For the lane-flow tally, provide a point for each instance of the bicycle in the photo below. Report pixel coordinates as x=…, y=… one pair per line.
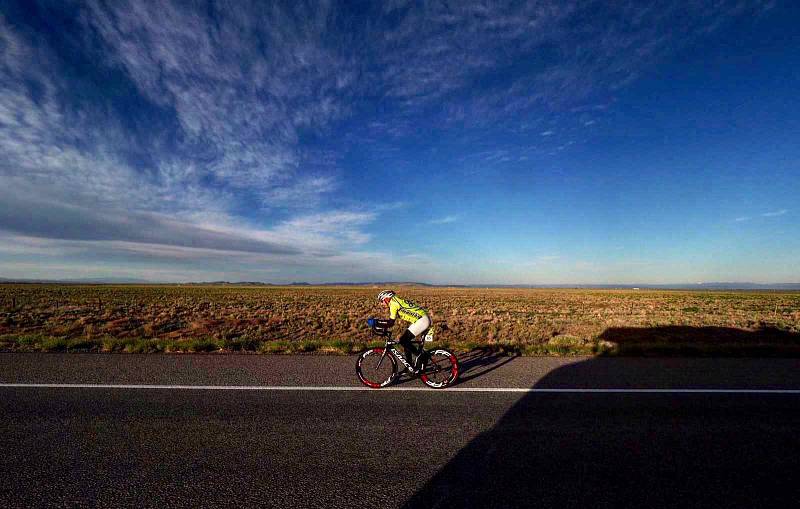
x=377, y=367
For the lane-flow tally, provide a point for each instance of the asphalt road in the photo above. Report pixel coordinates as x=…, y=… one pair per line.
x=71, y=447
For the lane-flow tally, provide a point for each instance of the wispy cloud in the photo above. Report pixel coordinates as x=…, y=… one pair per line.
x=445, y=220
x=67, y=177
x=48, y=258
x=435, y=54
x=774, y=213
x=242, y=103
x=199, y=137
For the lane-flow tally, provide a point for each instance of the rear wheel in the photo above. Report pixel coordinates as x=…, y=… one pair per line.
x=441, y=368
x=375, y=369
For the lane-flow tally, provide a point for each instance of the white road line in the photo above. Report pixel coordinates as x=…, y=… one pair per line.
x=393, y=389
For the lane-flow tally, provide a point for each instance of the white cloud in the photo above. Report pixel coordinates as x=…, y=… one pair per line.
x=445, y=220
x=775, y=213
x=436, y=53
x=54, y=258
x=302, y=192
x=240, y=90
x=65, y=180
x=240, y=81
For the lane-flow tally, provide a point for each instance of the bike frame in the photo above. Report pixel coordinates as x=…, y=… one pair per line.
x=389, y=348
x=422, y=364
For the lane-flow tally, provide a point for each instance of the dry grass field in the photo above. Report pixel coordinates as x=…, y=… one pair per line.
x=332, y=319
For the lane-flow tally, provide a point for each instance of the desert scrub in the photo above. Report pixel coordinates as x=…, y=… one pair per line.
x=174, y=318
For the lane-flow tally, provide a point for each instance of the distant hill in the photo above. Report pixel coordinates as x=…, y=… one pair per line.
x=81, y=281
x=384, y=283
x=225, y=283
x=305, y=283
x=399, y=284
x=751, y=286
x=645, y=286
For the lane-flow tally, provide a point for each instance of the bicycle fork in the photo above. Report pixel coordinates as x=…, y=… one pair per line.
x=383, y=356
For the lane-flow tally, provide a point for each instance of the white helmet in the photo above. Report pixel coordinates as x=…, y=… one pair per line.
x=386, y=294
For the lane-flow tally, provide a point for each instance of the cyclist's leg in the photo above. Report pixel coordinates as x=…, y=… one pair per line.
x=420, y=326
x=414, y=330
x=406, y=340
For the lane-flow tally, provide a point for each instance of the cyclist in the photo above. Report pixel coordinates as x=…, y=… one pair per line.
x=409, y=312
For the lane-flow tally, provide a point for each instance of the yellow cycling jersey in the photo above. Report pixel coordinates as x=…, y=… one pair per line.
x=405, y=309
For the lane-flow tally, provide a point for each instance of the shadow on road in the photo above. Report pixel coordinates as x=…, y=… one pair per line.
x=480, y=361
x=713, y=341
x=472, y=364
x=632, y=450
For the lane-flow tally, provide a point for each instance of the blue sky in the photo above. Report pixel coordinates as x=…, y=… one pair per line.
x=448, y=142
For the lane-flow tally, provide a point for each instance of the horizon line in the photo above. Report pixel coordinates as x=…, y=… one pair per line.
x=136, y=281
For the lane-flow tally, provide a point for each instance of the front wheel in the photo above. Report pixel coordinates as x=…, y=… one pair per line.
x=441, y=368
x=376, y=368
